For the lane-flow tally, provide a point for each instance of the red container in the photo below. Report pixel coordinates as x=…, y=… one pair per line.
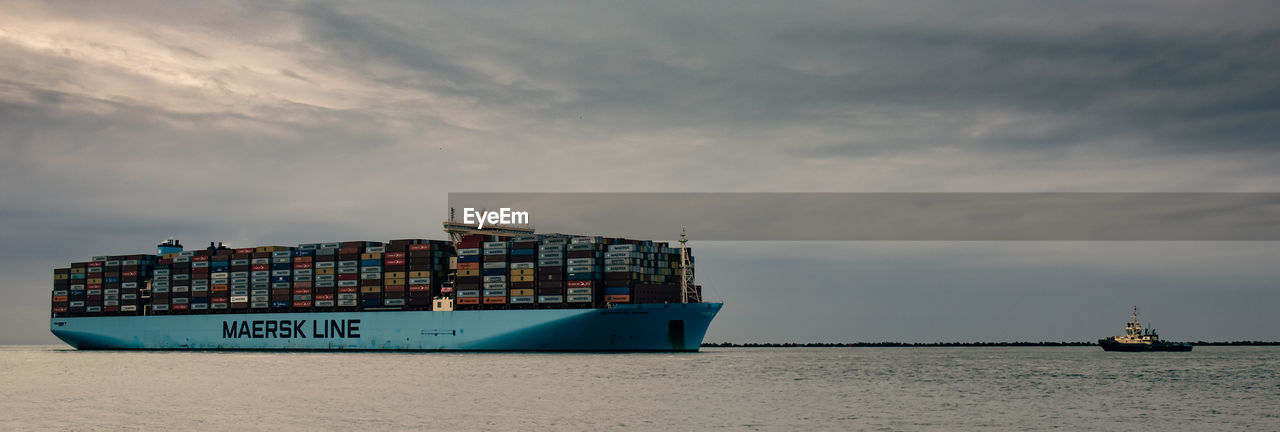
x=94, y=264
x=93, y=286
x=301, y=265
x=244, y=250
x=394, y=255
x=348, y=289
x=325, y=296
x=111, y=308
x=129, y=273
x=348, y=276
x=302, y=290
x=302, y=304
x=305, y=259
x=200, y=271
x=165, y=261
x=578, y=284
x=420, y=247
x=180, y=307
x=218, y=299
x=394, y=262
x=419, y=287
x=260, y=267
x=199, y=258
x=349, y=250
x=59, y=309
x=302, y=285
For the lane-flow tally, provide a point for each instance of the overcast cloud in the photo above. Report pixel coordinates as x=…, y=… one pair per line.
x=122, y=123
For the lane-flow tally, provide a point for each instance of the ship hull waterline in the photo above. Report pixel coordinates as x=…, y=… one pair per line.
x=622, y=328
x=1110, y=345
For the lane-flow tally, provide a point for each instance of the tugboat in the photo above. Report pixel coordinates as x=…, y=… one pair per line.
x=1137, y=339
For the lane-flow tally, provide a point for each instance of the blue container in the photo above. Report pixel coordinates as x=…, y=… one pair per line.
x=214, y=268
x=219, y=263
x=468, y=258
x=370, y=262
x=371, y=302
x=617, y=290
x=516, y=252
x=282, y=266
x=495, y=272
x=280, y=304
x=304, y=252
x=111, y=280
x=199, y=299
x=579, y=276
x=280, y=279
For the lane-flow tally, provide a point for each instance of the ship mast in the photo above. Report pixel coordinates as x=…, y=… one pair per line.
x=687, y=291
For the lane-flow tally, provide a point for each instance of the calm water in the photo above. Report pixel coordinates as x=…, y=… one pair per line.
x=1212, y=388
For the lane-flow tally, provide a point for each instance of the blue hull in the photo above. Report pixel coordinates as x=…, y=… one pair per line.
x=638, y=327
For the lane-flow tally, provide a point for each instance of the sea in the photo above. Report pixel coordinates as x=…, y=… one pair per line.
x=767, y=389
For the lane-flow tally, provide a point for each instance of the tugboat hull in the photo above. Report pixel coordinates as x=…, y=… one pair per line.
x=1113, y=345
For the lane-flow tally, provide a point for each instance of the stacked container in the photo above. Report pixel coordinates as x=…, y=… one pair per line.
x=348, y=274
x=420, y=264
x=303, y=277
x=61, y=292
x=582, y=271
x=494, y=268
x=521, y=272
x=324, y=270
x=545, y=271
x=550, y=271
x=469, y=277
x=371, y=275
x=240, y=271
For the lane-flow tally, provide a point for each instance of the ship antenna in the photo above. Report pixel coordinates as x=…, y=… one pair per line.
x=686, y=272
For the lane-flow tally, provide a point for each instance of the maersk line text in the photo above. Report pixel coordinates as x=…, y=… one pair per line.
x=290, y=329
x=503, y=216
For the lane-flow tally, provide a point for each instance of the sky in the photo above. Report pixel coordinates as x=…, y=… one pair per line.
x=125, y=123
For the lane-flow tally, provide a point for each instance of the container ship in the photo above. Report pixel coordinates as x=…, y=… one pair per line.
x=500, y=288
x=1137, y=339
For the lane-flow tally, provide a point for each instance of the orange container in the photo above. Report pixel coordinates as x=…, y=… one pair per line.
x=468, y=266
x=495, y=300
x=468, y=300
x=618, y=298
